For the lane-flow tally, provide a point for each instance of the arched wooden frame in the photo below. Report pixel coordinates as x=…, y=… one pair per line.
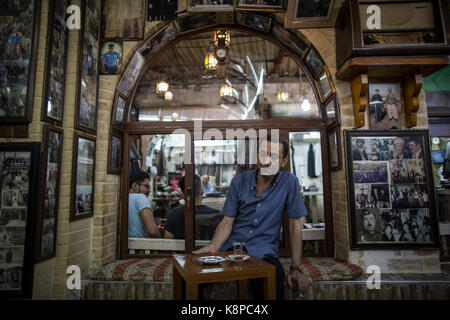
x=295, y=47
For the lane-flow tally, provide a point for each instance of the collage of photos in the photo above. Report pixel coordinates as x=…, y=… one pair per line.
x=55, y=99
x=84, y=193
x=16, y=34
x=391, y=198
x=51, y=193
x=14, y=185
x=89, y=65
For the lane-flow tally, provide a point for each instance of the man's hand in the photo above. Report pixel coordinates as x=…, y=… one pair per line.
x=297, y=277
x=208, y=249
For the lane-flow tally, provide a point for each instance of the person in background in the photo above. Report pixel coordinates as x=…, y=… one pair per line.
x=207, y=187
x=176, y=219
x=141, y=223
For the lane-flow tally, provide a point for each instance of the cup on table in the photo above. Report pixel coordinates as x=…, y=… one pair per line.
x=237, y=249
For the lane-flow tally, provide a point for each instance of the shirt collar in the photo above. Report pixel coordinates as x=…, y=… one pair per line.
x=274, y=182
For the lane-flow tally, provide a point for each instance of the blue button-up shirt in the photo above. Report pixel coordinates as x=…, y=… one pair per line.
x=257, y=221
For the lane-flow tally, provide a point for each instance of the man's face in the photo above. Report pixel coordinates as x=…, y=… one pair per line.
x=398, y=148
x=369, y=222
x=205, y=179
x=111, y=49
x=360, y=144
x=413, y=147
x=144, y=187
x=270, y=158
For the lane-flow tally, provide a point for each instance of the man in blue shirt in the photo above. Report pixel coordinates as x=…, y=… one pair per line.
x=253, y=213
x=140, y=217
x=207, y=187
x=110, y=60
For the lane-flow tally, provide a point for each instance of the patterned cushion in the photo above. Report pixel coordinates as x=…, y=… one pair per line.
x=135, y=270
x=325, y=269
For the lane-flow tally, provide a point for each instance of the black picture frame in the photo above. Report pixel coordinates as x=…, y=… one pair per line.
x=17, y=94
x=119, y=109
x=88, y=68
x=21, y=160
x=252, y=6
x=194, y=22
x=82, y=193
x=334, y=148
x=56, y=62
x=407, y=219
x=49, y=193
x=120, y=23
x=255, y=21
x=115, y=153
x=314, y=61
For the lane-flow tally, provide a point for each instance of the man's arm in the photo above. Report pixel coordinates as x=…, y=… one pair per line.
x=149, y=223
x=295, y=232
x=221, y=234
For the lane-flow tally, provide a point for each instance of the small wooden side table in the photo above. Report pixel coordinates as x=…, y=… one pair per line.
x=187, y=268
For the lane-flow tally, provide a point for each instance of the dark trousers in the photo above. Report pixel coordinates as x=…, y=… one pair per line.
x=257, y=285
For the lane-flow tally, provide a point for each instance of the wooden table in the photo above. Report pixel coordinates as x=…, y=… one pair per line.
x=187, y=268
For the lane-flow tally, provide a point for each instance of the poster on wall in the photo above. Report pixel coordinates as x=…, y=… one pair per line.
x=83, y=176
x=18, y=173
x=391, y=196
x=86, y=117
x=18, y=48
x=123, y=20
x=47, y=220
x=111, y=55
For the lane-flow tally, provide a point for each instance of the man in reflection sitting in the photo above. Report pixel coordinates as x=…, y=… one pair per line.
x=206, y=218
x=253, y=215
x=140, y=216
x=207, y=187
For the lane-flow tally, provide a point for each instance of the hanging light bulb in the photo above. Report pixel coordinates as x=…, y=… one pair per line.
x=282, y=94
x=175, y=116
x=306, y=106
x=162, y=87
x=168, y=95
x=226, y=90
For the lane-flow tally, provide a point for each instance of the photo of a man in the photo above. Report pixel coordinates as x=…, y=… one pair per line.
x=368, y=226
x=385, y=106
x=111, y=58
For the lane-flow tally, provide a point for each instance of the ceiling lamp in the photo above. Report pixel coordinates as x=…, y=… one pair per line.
x=226, y=90
x=222, y=38
x=306, y=106
x=282, y=94
x=168, y=95
x=210, y=59
x=162, y=87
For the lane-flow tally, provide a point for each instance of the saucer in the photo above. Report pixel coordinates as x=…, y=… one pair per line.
x=237, y=258
x=211, y=259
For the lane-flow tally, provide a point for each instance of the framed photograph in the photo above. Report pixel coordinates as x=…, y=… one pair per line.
x=314, y=62
x=334, y=148
x=123, y=20
x=120, y=103
x=324, y=84
x=87, y=97
x=48, y=215
x=210, y=5
x=126, y=83
x=157, y=42
x=111, y=54
x=254, y=21
x=19, y=21
x=195, y=22
x=158, y=10
x=385, y=107
x=115, y=153
x=83, y=177
x=311, y=14
x=19, y=175
x=258, y=5
x=331, y=110
x=55, y=67
x=391, y=199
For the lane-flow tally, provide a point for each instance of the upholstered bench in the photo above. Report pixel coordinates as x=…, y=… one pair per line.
x=152, y=279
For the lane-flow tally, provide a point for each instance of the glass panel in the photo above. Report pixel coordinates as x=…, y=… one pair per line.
x=440, y=154
x=258, y=81
x=306, y=164
x=160, y=156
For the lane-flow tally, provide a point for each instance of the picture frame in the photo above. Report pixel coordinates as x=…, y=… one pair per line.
x=18, y=59
x=210, y=5
x=385, y=104
x=56, y=62
x=252, y=5
x=157, y=42
x=115, y=153
x=310, y=14
x=111, y=55
x=162, y=10
x=88, y=68
x=334, y=148
x=254, y=21
x=49, y=194
x=83, y=177
x=331, y=110
x=314, y=62
x=119, y=111
x=390, y=190
x=123, y=20
x=132, y=72
x=20, y=167
x=324, y=84
x=194, y=22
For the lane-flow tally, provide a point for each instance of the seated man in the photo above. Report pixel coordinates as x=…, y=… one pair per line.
x=253, y=214
x=140, y=216
x=205, y=217
x=207, y=187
